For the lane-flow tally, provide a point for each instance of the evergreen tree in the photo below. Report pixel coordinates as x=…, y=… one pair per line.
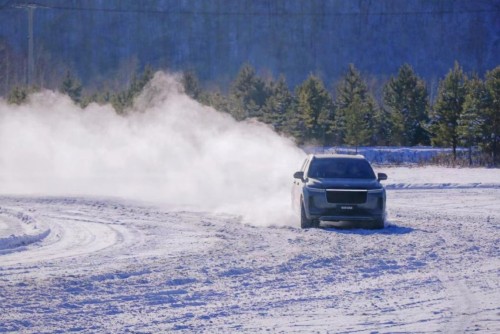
x=223, y=103
x=356, y=130
x=378, y=124
x=139, y=82
x=72, y=87
x=383, y=128
x=124, y=100
x=492, y=113
x=315, y=109
x=353, y=97
x=191, y=85
x=101, y=98
x=278, y=105
x=18, y=95
x=472, y=121
x=448, y=108
x=121, y=101
x=250, y=91
x=407, y=101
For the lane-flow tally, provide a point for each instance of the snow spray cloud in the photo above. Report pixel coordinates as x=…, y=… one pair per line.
x=171, y=150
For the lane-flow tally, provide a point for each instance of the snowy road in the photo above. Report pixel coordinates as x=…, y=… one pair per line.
x=92, y=265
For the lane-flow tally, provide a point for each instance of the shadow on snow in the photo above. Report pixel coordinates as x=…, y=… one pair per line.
x=390, y=229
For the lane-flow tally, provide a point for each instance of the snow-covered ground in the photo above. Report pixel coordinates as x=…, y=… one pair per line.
x=97, y=265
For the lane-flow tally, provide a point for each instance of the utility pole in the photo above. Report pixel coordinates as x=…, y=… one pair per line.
x=31, y=58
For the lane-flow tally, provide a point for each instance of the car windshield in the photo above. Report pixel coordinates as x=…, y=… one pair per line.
x=343, y=168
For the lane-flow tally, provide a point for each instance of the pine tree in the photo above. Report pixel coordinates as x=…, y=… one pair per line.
x=315, y=109
x=278, y=105
x=18, y=95
x=448, y=108
x=124, y=100
x=472, y=119
x=492, y=113
x=377, y=123
x=383, y=129
x=222, y=103
x=250, y=91
x=407, y=101
x=139, y=82
x=353, y=97
x=356, y=130
x=72, y=87
x=121, y=101
x=191, y=85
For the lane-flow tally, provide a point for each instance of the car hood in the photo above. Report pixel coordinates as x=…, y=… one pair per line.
x=344, y=183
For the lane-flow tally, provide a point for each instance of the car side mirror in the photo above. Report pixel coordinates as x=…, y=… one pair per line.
x=298, y=175
x=381, y=176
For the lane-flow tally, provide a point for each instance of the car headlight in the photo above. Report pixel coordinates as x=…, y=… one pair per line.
x=315, y=190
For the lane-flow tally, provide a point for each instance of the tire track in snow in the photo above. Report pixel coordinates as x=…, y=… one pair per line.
x=463, y=303
x=69, y=235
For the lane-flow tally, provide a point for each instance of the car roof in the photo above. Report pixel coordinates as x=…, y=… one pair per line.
x=336, y=156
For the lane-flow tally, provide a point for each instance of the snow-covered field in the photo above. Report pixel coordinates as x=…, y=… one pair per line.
x=97, y=265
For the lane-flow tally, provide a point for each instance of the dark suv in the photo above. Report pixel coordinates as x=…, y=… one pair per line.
x=339, y=189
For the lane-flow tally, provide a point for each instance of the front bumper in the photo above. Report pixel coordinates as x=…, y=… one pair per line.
x=318, y=207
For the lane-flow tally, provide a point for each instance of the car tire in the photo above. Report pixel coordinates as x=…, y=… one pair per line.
x=304, y=221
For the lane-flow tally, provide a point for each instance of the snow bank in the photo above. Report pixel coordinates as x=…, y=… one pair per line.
x=389, y=155
x=18, y=229
x=432, y=177
x=15, y=241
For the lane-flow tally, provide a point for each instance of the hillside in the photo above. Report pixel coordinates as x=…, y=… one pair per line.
x=98, y=38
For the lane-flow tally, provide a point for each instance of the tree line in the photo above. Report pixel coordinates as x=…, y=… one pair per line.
x=465, y=112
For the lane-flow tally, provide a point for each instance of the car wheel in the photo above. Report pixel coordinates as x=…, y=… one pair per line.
x=304, y=221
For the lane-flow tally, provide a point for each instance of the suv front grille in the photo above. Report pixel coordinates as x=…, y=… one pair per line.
x=348, y=196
